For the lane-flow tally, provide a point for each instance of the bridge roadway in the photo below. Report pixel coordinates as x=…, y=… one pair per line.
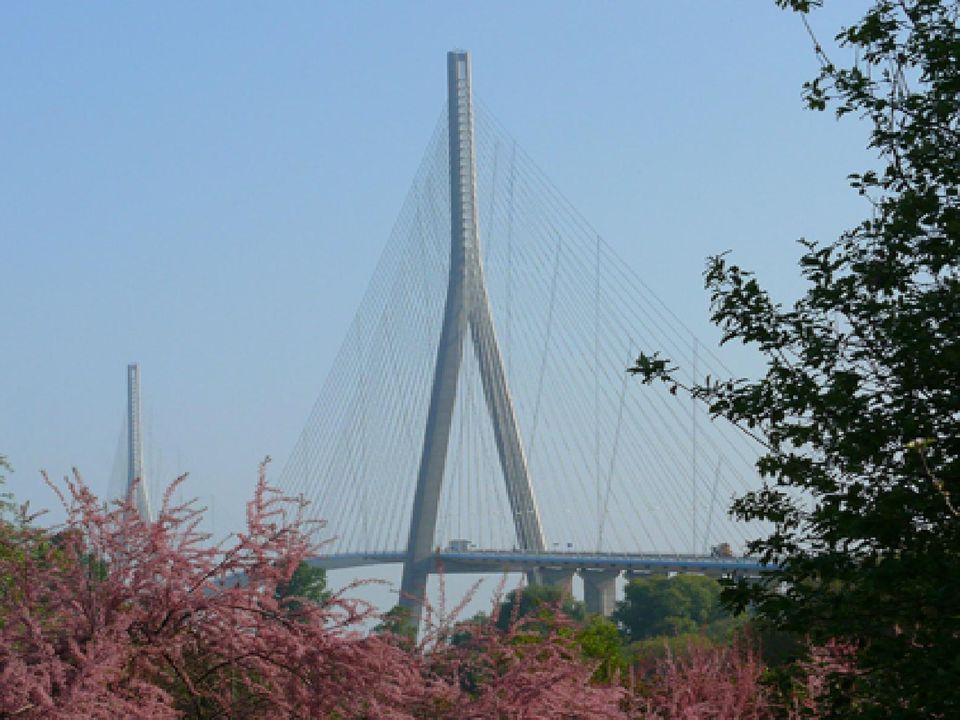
x=598, y=570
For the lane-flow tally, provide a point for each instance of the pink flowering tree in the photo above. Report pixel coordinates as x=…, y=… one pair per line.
x=719, y=683
x=115, y=617
x=535, y=668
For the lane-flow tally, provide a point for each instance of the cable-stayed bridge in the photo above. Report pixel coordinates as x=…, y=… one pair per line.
x=479, y=414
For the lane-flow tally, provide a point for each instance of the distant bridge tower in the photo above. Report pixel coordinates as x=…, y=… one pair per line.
x=467, y=306
x=141, y=498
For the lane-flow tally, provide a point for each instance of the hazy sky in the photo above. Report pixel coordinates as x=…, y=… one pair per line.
x=205, y=189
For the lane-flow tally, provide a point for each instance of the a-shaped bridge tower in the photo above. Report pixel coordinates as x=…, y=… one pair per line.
x=433, y=429
x=467, y=307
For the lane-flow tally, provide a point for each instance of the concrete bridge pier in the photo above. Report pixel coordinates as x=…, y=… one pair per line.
x=600, y=591
x=561, y=577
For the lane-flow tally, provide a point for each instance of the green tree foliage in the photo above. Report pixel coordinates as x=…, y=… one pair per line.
x=398, y=623
x=859, y=409
x=306, y=583
x=645, y=654
x=661, y=605
x=463, y=630
x=6, y=499
x=9, y=522
x=599, y=640
x=536, y=599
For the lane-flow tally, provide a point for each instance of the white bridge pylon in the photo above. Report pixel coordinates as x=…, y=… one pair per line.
x=467, y=307
x=136, y=482
x=128, y=479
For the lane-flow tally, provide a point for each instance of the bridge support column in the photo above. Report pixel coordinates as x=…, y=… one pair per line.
x=561, y=577
x=600, y=591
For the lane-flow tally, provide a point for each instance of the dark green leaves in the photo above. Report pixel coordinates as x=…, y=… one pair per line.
x=859, y=408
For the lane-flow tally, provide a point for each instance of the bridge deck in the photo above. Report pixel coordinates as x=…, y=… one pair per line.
x=486, y=561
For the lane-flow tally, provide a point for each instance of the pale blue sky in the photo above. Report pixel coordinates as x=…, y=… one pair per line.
x=205, y=189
